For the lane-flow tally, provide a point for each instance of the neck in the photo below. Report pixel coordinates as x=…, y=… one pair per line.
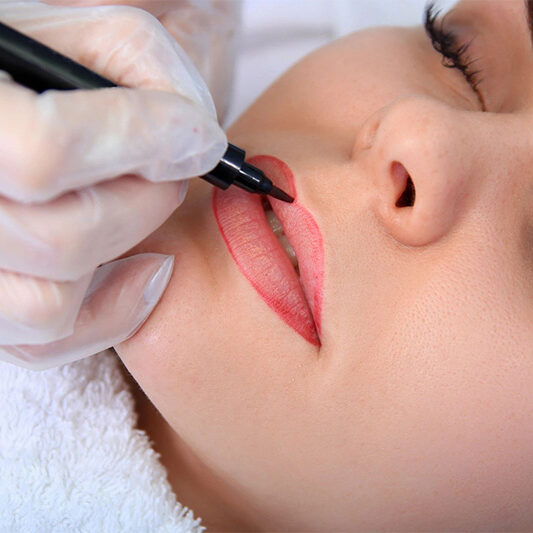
x=196, y=486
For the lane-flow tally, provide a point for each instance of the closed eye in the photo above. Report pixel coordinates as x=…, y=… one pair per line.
x=454, y=55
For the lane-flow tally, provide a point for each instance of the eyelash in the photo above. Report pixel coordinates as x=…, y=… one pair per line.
x=445, y=42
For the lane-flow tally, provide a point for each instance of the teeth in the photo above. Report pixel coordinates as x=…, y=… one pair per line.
x=289, y=250
x=274, y=223
x=277, y=228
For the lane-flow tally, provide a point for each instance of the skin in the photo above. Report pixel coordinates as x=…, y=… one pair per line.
x=416, y=412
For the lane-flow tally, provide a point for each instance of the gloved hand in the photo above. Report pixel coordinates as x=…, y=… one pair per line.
x=71, y=195
x=205, y=29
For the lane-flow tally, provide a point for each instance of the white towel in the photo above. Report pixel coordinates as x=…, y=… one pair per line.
x=71, y=459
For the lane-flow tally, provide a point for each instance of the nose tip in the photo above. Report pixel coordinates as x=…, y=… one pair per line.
x=409, y=151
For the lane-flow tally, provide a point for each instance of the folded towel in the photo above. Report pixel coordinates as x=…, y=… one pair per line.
x=71, y=458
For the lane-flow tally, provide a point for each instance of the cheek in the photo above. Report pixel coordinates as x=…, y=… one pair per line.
x=437, y=418
x=426, y=372
x=456, y=389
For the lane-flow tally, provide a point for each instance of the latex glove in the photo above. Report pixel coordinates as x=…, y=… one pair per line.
x=205, y=29
x=71, y=198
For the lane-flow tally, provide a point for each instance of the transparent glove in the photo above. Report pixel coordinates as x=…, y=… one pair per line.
x=85, y=175
x=205, y=29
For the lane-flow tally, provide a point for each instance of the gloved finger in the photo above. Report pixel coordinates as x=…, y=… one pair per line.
x=64, y=140
x=67, y=237
x=207, y=32
x=35, y=310
x=125, y=44
x=155, y=7
x=5, y=77
x=121, y=296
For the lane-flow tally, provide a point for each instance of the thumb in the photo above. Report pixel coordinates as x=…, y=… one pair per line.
x=121, y=296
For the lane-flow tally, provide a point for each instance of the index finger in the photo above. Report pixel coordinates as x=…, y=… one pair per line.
x=64, y=140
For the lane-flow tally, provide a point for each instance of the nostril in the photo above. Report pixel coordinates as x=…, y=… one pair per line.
x=407, y=198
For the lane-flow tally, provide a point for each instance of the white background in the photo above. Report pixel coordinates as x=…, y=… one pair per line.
x=277, y=33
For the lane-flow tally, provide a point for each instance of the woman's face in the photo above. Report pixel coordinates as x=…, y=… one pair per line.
x=414, y=409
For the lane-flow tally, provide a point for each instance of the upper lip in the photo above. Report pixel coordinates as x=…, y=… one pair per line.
x=301, y=230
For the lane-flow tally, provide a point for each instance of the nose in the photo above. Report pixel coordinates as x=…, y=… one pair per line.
x=426, y=163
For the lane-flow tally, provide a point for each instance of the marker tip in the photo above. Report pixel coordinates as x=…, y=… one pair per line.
x=280, y=195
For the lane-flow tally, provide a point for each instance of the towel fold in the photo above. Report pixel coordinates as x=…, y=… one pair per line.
x=71, y=458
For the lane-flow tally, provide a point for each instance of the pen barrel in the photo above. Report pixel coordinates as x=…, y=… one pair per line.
x=225, y=173
x=34, y=65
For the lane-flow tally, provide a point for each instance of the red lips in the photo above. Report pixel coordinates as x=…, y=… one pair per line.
x=261, y=258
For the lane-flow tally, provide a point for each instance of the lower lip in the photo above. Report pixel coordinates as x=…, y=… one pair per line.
x=259, y=255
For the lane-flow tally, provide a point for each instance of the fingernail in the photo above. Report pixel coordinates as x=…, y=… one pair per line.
x=157, y=285
x=184, y=187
